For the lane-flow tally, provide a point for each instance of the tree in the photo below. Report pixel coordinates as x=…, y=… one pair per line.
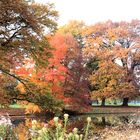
x=23, y=27
x=41, y=89
x=110, y=81
x=76, y=83
x=108, y=44
x=48, y=81
x=63, y=80
x=69, y=65
x=22, y=35
x=73, y=27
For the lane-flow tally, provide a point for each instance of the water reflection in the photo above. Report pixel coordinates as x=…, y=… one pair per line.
x=97, y=119
x=101, y=124
x=113, y=119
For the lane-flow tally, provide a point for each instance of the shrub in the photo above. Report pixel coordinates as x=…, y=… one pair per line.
x=6, y=129
x=58, y=132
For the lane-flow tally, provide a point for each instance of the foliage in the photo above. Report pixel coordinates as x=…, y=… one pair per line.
x=76, y=83
x=107, y=48
x=6, y=129
x=22, y=27
x=72, y=27
x=7, y=90
x=22, y=36
x=42, y=132
x=59, y=132
x=44, y=87
x=109, y=81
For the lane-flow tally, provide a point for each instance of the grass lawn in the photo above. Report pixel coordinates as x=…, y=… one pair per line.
x=17, y=106
x=118, y=103
x=130, y=104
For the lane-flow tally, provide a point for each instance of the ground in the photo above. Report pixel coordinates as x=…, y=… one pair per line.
x=96, y=110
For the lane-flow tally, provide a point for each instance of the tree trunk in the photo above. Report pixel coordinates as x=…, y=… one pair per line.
x=103, y=121
x=97, y=102
x=103, y=102
x=115, y=102
x=125, y=101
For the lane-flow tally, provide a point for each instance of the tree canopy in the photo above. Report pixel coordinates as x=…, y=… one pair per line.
x=108, y=45
x=49, y=67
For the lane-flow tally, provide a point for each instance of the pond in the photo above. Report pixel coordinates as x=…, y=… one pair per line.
x=103, y=126
x=98, y=119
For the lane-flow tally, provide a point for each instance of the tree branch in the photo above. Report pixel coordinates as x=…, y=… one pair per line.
x=15, y=77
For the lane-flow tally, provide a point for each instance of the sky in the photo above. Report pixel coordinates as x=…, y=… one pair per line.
x=93, y=11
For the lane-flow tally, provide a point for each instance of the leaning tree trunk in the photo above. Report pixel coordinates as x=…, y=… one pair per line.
x=125, y=101
x=103, y=102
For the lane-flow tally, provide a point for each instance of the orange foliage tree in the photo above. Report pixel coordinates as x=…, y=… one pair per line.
x=69, y=77
x=22, y=36
x=107, y=47
x=53, y=77
x=76, y=84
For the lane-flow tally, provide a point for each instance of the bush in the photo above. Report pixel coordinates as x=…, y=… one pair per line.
x=6, y=129
x=58, y=132
x=54, y=131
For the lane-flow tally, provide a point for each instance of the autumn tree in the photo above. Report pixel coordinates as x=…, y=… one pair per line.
x=111, y=81
x=76, y=83
x=74, y=28
x=107, y=44
x=22, y=29
x=63, y=81
x=23, y=25
x=49, y=81
x=41, y=91
x=69, y=73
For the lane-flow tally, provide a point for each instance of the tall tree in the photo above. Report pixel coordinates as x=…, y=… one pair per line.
x=69, y=65
x=23, y=25
x=112, y=41
x=22, y=28
x=76, y=84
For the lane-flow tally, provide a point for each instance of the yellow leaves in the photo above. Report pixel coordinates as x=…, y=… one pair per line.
x=98, y=41
x=32, y=108
x=111, y=34
x=106, y=79
x=112, y=82
x=73, y=27
x=21, y=88
x=21, y=132
x=111, y=43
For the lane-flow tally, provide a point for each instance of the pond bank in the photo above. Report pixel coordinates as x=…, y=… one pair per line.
x=21, y=113
x=117, y=109
x=94, y=110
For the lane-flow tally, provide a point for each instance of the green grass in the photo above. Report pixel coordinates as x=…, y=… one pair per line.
x=118, y=103
x=132, y=104
x=17, y=106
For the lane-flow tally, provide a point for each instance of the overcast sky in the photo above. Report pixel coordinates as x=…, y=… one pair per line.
x=92, y=11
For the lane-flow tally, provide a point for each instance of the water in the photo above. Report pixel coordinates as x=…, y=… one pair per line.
x=103, y=126
x=97, y=119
